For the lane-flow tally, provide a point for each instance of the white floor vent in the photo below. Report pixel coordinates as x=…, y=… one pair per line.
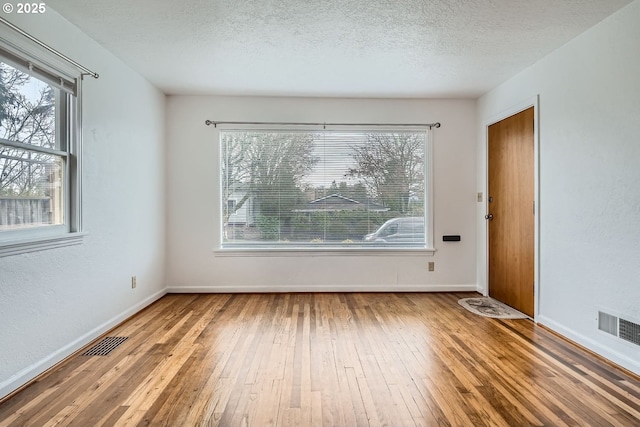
x=621, y=328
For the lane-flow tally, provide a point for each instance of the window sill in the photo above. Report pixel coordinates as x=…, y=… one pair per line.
x=313, y=252
x=35, y=244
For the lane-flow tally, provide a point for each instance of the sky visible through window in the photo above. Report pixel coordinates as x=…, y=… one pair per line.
x=334, y=153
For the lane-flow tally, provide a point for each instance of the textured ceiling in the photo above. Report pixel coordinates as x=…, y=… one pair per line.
x=347, y=48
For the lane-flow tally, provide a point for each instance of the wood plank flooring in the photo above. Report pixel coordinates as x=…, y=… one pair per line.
x=361, y=359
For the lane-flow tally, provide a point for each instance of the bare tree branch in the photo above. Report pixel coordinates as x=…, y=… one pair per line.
x=391, y=165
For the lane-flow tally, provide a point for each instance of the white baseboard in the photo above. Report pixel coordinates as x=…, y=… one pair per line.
x=30, y=372
x=318, y=288
x=618, y=358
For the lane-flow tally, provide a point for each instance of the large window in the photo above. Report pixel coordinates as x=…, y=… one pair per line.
x=324, y=189
x=38, y=153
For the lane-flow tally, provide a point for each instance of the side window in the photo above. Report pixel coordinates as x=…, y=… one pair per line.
x=39, y=154
x=33, y=155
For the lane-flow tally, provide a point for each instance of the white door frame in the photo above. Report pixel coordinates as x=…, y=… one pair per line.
x=515, y=109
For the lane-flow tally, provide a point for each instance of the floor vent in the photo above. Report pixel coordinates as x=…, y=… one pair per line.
x=608, y=323
x=630, y=331
x=104, y=347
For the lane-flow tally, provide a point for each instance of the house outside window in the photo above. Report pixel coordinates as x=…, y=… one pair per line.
x=337, y=189
x=39, y=154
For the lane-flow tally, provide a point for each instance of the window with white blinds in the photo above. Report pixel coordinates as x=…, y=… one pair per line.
x=324, y=189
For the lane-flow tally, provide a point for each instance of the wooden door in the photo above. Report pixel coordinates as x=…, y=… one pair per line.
x=511, y=211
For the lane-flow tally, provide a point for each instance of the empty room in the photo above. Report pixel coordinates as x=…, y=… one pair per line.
x=320, y=213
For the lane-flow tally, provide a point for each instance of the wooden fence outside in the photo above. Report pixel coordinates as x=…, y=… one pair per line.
x=15, y=212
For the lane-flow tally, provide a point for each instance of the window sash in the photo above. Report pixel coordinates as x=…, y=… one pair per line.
x=46, y=208
x=421, y=240
x=34, y=148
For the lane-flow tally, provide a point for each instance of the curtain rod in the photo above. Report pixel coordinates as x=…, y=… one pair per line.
x=324, y=125
x=85, y=70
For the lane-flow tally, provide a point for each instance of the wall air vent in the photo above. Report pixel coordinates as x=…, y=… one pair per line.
x=105, y=346
x=619, y=327
x=608, y=323
x=630, y=331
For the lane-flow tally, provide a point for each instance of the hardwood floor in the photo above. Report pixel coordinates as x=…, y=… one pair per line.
x=371, y=359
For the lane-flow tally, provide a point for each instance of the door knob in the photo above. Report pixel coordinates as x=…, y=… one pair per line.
x=488, y=216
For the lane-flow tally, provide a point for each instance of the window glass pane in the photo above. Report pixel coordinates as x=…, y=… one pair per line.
x=28, y=108
x=324, y=188
x=31, y=189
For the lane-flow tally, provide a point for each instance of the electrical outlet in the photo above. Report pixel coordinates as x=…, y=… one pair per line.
x=432, y=266
x=133, y=282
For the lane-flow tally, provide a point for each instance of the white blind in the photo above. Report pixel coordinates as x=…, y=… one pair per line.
x=323, y=188
x=39, y=70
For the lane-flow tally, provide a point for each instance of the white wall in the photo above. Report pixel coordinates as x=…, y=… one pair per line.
x=53, y=302
x=193, y=208
x=589, y=180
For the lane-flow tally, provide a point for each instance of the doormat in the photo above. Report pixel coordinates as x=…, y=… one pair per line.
x=488, y=307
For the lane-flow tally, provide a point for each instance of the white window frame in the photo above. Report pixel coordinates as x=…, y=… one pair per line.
x=264, y=251
x=25, y=55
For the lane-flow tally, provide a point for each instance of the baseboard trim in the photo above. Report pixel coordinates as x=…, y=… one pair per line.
x=591, y=345
x=317, y=288
x=32, y=372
